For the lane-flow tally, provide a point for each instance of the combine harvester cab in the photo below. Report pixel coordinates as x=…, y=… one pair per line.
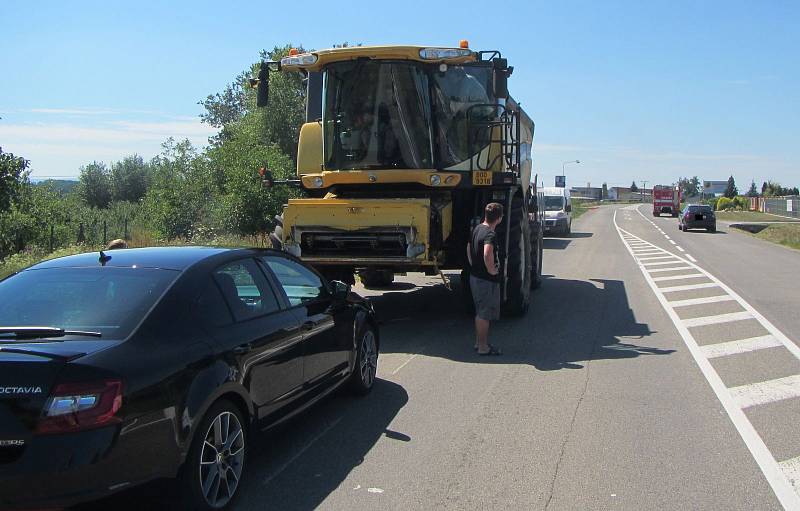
x=402, y=148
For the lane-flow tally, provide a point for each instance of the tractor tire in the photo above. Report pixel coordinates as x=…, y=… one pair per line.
x=537, y=251
x=518, y=271
x=376, y=279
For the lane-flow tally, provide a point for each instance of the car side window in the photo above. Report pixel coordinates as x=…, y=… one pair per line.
x=211, y=308
x=300, y=284
x=245, y=289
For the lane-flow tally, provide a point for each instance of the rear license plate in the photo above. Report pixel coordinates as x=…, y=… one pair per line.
x=481, y=178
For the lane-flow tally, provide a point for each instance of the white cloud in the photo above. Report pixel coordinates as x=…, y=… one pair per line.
x=61, y=148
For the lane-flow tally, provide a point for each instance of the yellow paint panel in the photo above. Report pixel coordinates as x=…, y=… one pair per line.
x=309, y=148
x=423, y=177
x=325, y=57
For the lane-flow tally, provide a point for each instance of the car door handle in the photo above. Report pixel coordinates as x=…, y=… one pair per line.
x=243, y=348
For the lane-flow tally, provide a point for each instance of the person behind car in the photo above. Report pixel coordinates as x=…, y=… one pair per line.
x=484, y=277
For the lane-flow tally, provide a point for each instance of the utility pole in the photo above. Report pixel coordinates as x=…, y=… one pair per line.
x=643, y=191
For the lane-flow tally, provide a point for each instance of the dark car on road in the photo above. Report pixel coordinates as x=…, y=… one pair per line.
x=123, y=367
x=697, y=216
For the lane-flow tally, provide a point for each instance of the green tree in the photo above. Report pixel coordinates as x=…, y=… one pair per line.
x=13, y=177
x=604, y=192
x=753, y=191
x=731, y=191
x=95, y=185
x=281, y=119
x=690, y=187
x=129, y=179
x=634, y=188
x=180, y=192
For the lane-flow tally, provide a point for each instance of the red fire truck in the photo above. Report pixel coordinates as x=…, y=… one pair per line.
x=666, y=199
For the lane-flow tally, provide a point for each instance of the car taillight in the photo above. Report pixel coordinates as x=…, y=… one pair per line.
x=80, y=406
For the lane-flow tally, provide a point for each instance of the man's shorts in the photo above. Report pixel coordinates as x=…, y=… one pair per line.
x=486, y=296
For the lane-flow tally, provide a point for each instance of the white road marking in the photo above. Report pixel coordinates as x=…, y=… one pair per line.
x=412, y=357
x=773, y=473
x=674, y=268
x=655, y=257
x=680, y=277
x=717, y=319
x=767, y=391
x=679, y=248
x=666, y=236
x=725, y=349
x=692, y=259
x=671, y=241
x=301, y=451
x=700, y=301
x=791, y=468
x=660, y=263
x=687, y=287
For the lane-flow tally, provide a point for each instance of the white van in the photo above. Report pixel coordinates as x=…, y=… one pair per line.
x=557, y=210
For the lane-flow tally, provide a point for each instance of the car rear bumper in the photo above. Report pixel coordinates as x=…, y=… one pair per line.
x=700, y=224
x=63, y=470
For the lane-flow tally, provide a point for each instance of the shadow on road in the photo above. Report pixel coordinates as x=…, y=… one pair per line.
x=569, y=323
x=299, y=464
x=556, y=243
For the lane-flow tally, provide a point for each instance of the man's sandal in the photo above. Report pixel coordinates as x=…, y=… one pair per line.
x=492, y=352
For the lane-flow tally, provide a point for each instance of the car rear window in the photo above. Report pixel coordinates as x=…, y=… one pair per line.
x=700, y=209
x=112, y=301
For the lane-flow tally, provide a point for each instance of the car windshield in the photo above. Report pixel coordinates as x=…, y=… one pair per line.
x=111, y=301
x=385, y=115
x=553, y=203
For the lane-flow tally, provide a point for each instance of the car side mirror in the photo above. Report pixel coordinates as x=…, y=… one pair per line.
x=340, y=290
x=568, y=208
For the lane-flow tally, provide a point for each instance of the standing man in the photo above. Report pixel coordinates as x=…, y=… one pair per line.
x=484, y=279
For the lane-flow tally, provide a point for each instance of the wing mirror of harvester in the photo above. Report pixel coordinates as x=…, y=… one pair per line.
x=261, y=84
x=268, y=180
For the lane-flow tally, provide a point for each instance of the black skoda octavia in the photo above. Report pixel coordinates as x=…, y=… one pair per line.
x=121, y=367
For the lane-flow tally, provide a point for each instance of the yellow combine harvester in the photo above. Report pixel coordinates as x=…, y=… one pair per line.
x=402, y=148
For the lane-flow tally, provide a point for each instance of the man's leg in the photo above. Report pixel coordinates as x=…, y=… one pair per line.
x=482, y=334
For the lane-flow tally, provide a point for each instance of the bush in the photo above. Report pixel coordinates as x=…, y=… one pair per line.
x=711, y=202
x=742, y=203
x=724, y=203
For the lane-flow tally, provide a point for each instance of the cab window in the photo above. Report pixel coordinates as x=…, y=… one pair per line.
x=300, y=284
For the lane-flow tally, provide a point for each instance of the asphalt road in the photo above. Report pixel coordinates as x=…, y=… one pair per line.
x=607, y=395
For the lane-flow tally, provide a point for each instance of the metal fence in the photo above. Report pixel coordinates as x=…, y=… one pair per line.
x=783, y=206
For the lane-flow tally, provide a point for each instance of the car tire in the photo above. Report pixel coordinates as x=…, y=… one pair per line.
x=362, y=379
x=376, y=279
x=216, y=458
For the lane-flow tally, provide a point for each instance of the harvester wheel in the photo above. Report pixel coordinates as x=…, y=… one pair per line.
x=537, y=251
x=376, y=278
x=518, y=272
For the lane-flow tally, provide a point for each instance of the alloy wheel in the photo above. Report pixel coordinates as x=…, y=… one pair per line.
x=222, y=460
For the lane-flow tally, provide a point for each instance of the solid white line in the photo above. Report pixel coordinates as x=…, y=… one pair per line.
x=725, y=349
x=687, y=287
x=692, y=259
x=301, y=451
x=656, y=270
x=680, y=277
x=412, y=357
x=717, y=319
x=769, y=467
x=679, y=248
x=700, y=301
x=767, y=391
x=791, y=468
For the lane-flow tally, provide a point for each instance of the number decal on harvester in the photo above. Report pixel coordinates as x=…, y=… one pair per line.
x=482, y=178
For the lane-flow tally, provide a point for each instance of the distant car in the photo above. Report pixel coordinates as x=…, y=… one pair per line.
x=697, y=216
x=557, y=210
x=121, y=367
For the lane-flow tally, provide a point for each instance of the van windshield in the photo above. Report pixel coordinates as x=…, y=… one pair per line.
x=553, y=203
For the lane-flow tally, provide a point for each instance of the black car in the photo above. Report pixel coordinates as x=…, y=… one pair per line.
x=121, y=367
x=697, y=216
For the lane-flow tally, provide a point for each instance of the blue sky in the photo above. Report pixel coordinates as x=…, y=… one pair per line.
x=635, y=90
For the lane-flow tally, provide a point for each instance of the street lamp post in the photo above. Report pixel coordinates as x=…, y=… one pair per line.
x=563, y=163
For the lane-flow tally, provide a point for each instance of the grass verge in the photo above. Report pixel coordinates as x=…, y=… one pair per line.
x=783, y=234
x=751, y=216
